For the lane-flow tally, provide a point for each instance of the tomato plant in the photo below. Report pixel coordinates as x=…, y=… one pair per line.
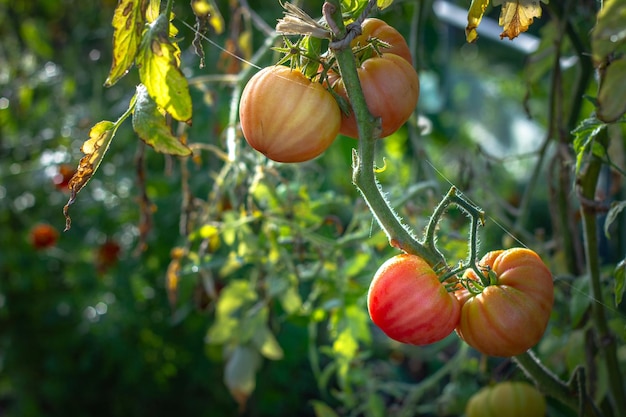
x=373, y=28
x=287, y=117
x=43, y=236
x=391, y=88
x=408, y=303
x=510, y=314
x=511, y=399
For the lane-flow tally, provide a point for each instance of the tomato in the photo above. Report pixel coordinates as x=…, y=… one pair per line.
x=287, y=117
x=391, y=88
x=510, y=399
x=409, y=304
x=379, y=29
x=509, y=317
x=43, y=236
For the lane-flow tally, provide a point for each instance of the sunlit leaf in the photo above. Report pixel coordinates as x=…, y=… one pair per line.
x=240, y=373
x=128, y=25
x=474, y=16
x=94, y=148
x=151, y=126
x=172, y=275
x=383, y=4
x=267, y=344
x=611, y=102
x=620, y=281
x=153, y=11
x=516, y=16
x=290, y=300
x=159, y=70
x=584, y=139
x=609, y=33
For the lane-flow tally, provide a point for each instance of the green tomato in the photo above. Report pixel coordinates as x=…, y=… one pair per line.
x=507, y=399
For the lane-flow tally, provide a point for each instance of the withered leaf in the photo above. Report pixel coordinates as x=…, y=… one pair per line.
x=474, y=16
x=94, y=148
x=151, y=126
x=128, y=23
x=207, y=15
x=516, y=16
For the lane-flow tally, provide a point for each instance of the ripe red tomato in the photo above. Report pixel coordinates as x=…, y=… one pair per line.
x=391, y=88
x=408, y=303
x=510, y=317
x=287, y=117
x=510, y=399
x=376, y=28
x=43, y=236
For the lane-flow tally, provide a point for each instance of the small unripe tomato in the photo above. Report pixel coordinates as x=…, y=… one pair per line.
x=409, y=304
x=43, y=236
x=507, y=399
x=287, y=117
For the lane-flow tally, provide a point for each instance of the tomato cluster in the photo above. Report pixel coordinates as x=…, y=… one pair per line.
x=290, y=118
x=510, y=399
x=504, y=314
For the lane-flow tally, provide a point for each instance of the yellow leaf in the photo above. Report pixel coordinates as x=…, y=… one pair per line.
x=383, y=4
x=474, y=16
x=94, y=148
x=128, y=22
x=158, y=61
x=516, y=16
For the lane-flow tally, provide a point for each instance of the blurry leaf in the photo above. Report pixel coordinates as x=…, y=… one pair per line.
x=153, y=11
x=322, y=409
x=267, y=344
x=291, y=300
x=36, y=37
x=609, y=32
x=207, y=15
x=474, y=16
x=172, y=275
x=620, y=281
x=240, y=373
x=231, y=304
x=128, y=24
x=611, y=103
x=614, y=211
x=584, y=139
x=158, y=61
x=375, y=406
x=150, y=124
x=94, y=148
x=383, y=4
x=581, y=299
x=356, y=264
x=516, y=16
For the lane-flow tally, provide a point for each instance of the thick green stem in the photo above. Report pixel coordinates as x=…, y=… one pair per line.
x=588, y=182
x=363, y=175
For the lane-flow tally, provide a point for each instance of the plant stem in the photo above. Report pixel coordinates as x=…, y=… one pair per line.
x=588, y=182
x=363, y=175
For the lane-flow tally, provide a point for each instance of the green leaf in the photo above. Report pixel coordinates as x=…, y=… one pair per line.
x=580, y=301
x=159, y=70
x=129, y=21
x=584, y=139
x=611, y=103
x=267, y=344
x=240, y=373
x=609, y=32
x=620, y=281
x=322, y=409
x=94, y=148
x=151, y=126
x=614, y=211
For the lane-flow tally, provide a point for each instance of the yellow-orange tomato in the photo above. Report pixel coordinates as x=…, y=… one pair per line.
x=391, y=88
x=287, y=117
x=510, y=399
x=510, y=317
x=408, y=303
x=379, y=29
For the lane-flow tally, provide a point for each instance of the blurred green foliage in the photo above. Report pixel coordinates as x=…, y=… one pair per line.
x=238, y=285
